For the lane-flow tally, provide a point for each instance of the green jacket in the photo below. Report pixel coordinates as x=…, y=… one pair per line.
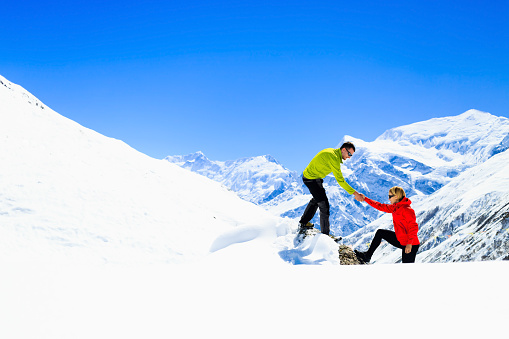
x=327, y=161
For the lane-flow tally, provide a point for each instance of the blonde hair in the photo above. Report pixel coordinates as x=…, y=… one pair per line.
x=398, y=192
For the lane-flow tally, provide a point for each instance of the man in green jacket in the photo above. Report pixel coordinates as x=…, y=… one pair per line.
x=326, y=161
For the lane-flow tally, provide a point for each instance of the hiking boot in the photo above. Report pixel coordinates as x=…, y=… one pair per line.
x=336, y=239
x=303, y=228
x=306, y=226
x=362, y=257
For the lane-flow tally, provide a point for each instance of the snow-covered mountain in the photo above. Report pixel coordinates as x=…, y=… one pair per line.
x=69, y=193
x=424, y=156
x=258, y=180
x=421, y=158
x=466, y=220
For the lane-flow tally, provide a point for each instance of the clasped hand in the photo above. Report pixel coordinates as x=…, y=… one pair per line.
x=359, y=196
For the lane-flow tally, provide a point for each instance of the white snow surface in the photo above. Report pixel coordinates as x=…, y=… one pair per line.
x=69, y=193
x=98, y=240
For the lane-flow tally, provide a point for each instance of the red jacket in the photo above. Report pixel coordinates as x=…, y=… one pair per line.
x=403, y=216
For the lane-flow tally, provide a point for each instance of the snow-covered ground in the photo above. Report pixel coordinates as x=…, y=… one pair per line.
x=462, y=300
x=100, y=241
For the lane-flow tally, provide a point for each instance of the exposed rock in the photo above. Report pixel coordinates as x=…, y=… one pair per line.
x=347, y=256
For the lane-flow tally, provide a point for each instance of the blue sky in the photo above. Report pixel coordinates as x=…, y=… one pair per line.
x=244, y=78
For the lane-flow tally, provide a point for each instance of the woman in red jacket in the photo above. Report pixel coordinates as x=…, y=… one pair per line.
x=405, y=227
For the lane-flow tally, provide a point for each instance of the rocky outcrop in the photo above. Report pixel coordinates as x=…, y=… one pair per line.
x=347, y=256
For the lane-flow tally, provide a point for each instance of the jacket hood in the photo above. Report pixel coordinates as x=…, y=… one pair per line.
x=404, y=202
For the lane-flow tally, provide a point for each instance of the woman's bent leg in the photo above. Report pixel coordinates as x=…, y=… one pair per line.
x=380, y=235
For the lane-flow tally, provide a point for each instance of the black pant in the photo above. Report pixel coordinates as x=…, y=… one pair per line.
x=390, y=237
x=319, y=201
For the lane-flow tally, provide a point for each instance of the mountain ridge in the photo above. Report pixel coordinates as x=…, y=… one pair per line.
x=421, y=157
x=70, y=194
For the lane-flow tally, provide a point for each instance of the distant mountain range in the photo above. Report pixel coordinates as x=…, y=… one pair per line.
x=465, y=220
x=420, y=157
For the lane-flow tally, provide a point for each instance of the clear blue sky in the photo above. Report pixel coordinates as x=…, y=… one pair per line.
x=244, y=78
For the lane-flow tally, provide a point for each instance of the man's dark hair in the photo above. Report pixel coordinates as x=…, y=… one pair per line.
x=348, y=145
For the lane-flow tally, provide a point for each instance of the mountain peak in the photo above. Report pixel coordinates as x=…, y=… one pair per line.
x=270, y=158
x=468, y=133
x=474, y=113
x=197, y=159
x=355, y=141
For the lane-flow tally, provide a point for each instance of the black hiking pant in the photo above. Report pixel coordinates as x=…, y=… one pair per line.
x=390, y=237
x=319, y=201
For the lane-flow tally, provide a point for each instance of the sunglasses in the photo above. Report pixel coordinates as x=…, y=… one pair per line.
x=390, y=196
x=349, y=154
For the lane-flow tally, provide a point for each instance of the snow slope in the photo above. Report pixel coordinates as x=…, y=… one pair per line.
x=69, y=193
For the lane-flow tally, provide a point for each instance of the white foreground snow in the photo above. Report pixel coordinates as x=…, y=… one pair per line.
x=463, y=300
